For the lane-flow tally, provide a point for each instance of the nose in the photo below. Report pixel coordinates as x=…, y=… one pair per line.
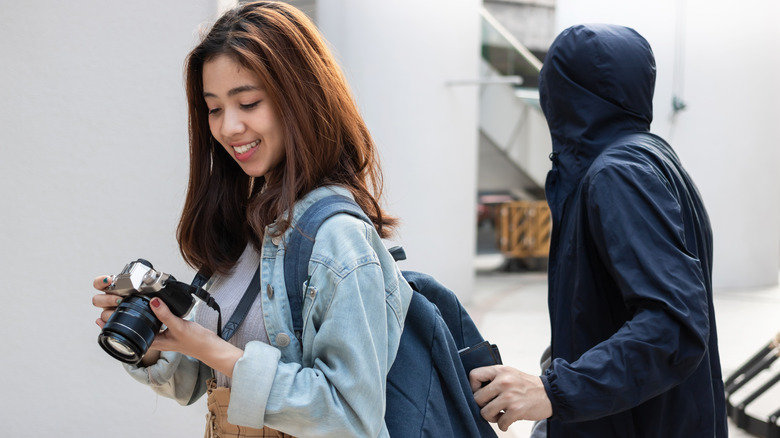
x=232, y=124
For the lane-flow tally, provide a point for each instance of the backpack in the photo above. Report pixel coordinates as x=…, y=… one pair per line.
x=428, y=391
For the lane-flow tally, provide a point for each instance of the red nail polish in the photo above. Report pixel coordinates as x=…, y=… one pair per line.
x=155, y=302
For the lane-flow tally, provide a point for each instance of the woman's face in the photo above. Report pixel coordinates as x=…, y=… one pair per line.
x=242, y=117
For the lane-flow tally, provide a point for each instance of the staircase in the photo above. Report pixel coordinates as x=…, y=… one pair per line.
x=514, y=140
x=514, y=145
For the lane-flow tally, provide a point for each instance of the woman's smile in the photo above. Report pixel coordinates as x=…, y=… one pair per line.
x=245, y=151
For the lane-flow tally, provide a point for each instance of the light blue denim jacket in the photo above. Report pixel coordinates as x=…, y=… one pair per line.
x=332, y=382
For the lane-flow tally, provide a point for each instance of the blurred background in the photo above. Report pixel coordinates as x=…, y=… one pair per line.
x=94, y=125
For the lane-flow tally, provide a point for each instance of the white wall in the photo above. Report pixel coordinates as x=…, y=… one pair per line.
x=95, y=169
x=93, y=174
x=729, y=136
x=398, y=57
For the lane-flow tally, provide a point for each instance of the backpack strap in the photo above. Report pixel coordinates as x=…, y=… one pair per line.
x=298, y=253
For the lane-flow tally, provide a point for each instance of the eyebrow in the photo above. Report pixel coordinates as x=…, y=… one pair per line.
x=234, y=91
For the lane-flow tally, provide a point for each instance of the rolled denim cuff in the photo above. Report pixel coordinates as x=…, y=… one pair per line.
x=253, y=376
x=174, y=376
x=159, y=373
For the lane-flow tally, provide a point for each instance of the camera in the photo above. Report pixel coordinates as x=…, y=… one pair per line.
x=132, y=327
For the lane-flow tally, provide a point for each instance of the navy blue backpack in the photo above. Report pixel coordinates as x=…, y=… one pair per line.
x=428, y=392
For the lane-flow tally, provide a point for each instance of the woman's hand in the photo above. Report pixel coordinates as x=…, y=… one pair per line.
x=105, y=301
x=108, y=303
x=182, y=336
x=194, y=340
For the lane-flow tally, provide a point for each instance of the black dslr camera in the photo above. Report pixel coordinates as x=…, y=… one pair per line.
x=132, y=327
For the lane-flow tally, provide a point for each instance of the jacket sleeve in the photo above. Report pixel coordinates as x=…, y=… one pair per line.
x=174, y=376
x=637, y=226
x=350, y=335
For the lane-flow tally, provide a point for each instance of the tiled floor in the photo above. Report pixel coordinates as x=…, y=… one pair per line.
x=511, y=311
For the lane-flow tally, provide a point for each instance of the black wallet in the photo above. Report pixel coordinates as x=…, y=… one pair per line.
x=481, y=355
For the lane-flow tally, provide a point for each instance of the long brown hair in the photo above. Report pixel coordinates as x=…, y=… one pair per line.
x=325, y=138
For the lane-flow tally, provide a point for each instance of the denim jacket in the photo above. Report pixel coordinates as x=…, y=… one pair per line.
x=332, y=381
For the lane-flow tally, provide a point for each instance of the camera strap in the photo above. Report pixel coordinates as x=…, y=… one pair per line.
x=241, y=310
x=243, y=307
x=207, y=298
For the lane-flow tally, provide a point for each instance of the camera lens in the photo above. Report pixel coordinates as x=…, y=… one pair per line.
x=130, y=330
x=119, y=347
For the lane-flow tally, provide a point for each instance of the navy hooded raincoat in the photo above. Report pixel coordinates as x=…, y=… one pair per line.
x=634, y=345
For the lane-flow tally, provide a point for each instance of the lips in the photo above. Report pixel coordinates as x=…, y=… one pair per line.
x=245, y=151
x=245, y=148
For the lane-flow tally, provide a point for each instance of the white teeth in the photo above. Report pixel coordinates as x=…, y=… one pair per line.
x=246, y=147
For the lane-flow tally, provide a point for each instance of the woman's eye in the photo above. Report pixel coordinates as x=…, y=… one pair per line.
x=213, y=111
x=250, y=105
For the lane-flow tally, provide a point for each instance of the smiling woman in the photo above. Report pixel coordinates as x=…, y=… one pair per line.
x=273, y=129
x=241, y=116
x=276, y=49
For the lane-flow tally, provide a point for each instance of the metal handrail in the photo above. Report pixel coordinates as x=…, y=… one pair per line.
x=500, y=80
x=516, y=45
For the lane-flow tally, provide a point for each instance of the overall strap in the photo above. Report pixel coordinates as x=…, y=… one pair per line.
x=296, y=258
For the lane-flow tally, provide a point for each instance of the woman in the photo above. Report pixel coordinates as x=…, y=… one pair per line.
x=273, y=128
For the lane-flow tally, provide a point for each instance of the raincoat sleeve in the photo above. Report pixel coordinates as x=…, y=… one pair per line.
x=637, y=225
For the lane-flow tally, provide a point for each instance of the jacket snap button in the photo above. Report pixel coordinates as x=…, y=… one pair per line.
x=312, y=292
x=276, y=240
x=282, y=339
x=269, y=290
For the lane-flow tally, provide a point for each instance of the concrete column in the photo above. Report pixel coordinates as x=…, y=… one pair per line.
x=398, y=57
x=728, y=135
x=93, y=175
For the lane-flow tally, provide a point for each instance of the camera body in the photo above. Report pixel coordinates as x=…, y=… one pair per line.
x=141, y=279
x=130, y=330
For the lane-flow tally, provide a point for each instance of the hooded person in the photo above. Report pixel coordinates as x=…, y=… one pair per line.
x=634, y=343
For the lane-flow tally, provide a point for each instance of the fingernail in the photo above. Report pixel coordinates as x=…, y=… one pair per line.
x=155, y=302
x=105, y=280
x=118, y=300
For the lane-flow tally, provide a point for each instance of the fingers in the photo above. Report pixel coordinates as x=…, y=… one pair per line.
x=106, y=314
x=106, y=301
x=494, y=407
x=102, y=282
x=163, y=313
x=478, y=376
x=493, y=398
x=104, y=317
x=483, y=383
x=505, y=419
x=510, y=396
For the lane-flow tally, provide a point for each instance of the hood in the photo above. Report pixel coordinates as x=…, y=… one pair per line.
x=596, y=85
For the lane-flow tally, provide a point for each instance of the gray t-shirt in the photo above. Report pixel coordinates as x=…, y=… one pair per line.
x=227, y=290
